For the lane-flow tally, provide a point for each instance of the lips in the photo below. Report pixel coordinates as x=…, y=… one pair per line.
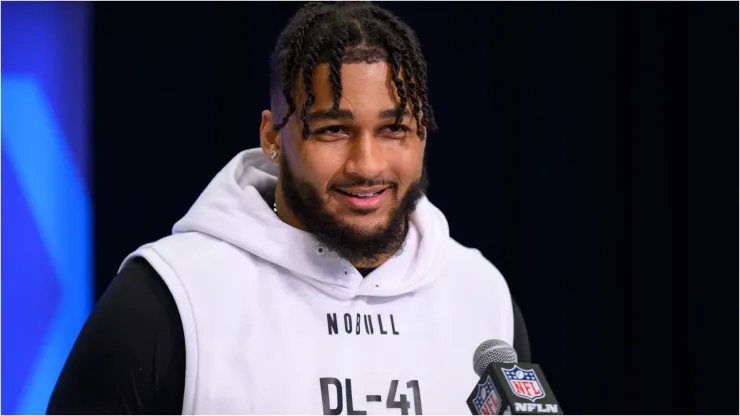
x=366, y=199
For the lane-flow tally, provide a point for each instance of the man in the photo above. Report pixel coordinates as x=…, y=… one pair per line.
x=312, y=275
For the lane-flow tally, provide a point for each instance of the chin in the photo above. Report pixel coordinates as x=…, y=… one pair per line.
x=366, y=224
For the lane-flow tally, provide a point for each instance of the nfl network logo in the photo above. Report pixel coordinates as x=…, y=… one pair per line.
x=487, y=401
x=524, y=383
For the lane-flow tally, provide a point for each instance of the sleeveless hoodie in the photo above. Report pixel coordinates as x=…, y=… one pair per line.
x=276, y=324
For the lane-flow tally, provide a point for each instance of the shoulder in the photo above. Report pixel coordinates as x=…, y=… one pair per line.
x=184, y=254
x=139, y=306
x=139, y=290
x=471, y=265
x=473, y=279
x=189, y=247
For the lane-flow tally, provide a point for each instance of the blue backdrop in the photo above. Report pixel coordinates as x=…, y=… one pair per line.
x=46, y=212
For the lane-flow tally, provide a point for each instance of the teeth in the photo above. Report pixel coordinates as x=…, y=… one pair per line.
x=363, y=195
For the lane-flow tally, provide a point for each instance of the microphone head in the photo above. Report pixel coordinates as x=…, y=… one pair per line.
x=493, y=351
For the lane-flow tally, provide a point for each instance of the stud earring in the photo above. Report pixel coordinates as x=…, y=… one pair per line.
x=273, y=154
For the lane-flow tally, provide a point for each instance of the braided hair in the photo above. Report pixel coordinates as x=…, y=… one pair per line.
x=349, y=32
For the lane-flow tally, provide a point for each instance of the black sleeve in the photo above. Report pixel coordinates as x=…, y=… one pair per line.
x=130, y=356
x=521, y=337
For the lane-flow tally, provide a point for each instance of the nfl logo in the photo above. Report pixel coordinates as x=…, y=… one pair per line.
x=524, y=383
x=487, y=401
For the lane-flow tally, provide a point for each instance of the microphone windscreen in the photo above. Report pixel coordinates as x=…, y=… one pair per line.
x=493, y=351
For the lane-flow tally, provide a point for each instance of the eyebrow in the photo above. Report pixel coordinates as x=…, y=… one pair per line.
x=393, y=113
x=320, y=115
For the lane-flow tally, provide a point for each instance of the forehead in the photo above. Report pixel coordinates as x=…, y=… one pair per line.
x=365, y=87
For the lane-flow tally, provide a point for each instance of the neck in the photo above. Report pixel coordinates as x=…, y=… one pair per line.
x=370, y=264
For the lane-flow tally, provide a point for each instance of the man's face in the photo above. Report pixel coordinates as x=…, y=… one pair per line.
x=358, y=176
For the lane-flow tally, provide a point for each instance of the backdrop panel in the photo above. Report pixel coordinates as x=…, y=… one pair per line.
x=46, y=211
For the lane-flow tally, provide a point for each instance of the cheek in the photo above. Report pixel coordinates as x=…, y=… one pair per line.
x=409, y=169
x=321, y=167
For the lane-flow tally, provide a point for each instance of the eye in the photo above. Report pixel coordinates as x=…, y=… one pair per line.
x=331, y=131
x=396, y=130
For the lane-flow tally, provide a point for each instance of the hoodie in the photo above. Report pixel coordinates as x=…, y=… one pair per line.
x=276, y=324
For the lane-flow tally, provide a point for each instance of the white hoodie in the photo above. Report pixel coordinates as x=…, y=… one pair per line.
x=275, y=324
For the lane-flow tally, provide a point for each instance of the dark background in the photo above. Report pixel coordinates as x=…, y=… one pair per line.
x=589, y=150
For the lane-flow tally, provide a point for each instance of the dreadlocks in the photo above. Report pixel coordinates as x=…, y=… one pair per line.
x=349, y=33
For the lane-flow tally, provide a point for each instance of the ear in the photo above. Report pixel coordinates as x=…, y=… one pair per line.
x=269, y=137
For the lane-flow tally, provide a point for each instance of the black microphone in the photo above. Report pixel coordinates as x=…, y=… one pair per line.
x=507, y=387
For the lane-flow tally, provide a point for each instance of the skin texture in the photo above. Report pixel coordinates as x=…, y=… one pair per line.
x=364, y=153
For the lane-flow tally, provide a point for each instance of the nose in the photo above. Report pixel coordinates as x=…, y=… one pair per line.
x=366, y=157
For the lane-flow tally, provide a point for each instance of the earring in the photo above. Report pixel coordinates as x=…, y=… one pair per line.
x=273, y=154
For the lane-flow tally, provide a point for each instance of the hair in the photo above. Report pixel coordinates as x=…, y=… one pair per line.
x=351, y=32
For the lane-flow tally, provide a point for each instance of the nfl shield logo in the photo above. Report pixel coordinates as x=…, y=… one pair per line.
x=524, y=383
x=487, y=401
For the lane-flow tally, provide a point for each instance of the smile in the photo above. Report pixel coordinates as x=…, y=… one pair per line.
x=362, y=200
x=362, y=195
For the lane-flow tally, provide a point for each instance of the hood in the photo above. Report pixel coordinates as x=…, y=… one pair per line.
x=231, y=209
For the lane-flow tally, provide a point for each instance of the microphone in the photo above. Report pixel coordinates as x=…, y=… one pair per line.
x=507, y=387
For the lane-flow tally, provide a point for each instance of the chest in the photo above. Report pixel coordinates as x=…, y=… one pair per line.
x=304, y=354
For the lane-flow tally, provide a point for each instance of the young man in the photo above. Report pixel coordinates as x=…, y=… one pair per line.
x=312, y=275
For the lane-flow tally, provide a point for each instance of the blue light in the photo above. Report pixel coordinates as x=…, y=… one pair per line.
x=47, y=255
x=59, y=203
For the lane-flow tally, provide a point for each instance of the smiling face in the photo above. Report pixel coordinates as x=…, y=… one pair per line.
x=356, y=178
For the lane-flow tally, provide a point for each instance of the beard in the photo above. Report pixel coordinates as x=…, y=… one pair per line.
x=345, y=240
